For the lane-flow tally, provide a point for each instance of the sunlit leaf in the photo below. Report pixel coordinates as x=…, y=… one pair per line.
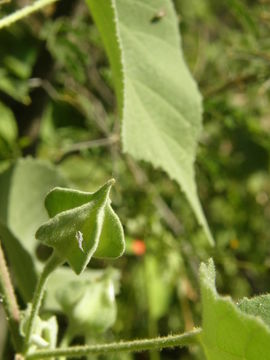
x=158, y=99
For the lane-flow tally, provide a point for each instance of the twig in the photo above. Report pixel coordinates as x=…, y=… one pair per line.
x=26, y=11
x=84, y=145
x=164, y=210
x=235, y=82
x=189, y=338
x=4, y=2
x=9, y=301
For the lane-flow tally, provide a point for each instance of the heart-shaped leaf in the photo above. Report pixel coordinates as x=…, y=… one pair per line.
x=81, y=225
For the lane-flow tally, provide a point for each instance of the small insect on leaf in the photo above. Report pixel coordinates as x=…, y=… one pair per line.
x=79, y=237
x=158, y=16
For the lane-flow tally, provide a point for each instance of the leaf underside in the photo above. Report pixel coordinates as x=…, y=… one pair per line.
x=158, y=100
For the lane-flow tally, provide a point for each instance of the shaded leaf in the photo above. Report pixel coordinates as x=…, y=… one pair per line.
x=23, y=187
x=61, y=277
x=89, y=304
x=160, y=283
x=21, y=262
x=8, y=125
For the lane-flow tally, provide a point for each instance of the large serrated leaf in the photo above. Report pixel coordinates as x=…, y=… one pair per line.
x=81, y=225
x=228, y=333
x=159, y=102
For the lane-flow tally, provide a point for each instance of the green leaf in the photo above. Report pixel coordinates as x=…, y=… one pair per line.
x=109, y=244
x=228, y=333
x=158, y=100
x=58, y=280
x=21, y=262
x=90, y=303
x=18, y=89
x=8, y=125
x=156, y=280
x=81, y=225
x=23, y=187
x=257, y=306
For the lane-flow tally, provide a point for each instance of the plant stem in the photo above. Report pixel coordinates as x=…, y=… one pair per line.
x=27, y=10
x=9, y=301
x=188, y=338
x=51, y=265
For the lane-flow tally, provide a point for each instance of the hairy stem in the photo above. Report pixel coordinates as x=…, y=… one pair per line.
x=9, y=301
x=188, y=338
x=27, y=10
x=51, y=265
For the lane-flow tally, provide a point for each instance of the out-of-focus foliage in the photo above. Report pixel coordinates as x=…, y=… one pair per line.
x=54, y=67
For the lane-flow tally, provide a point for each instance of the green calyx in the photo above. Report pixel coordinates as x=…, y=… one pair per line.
x=82, y=225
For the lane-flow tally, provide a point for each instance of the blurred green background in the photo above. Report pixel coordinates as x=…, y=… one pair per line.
x=57, y=103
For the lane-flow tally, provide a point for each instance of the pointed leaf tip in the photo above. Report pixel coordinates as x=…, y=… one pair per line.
x=111, y=182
